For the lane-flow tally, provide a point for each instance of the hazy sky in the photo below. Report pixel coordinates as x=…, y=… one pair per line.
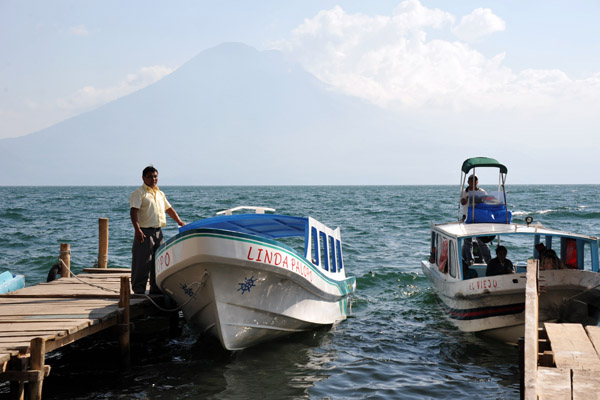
x=526, y=72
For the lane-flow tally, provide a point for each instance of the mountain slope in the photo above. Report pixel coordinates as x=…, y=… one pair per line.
x=231, y=115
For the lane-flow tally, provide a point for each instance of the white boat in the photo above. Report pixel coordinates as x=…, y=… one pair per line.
x=494, y=305
x=10, y=282
x=240, y=278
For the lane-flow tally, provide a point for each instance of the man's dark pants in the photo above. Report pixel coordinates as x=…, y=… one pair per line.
x=142, y=261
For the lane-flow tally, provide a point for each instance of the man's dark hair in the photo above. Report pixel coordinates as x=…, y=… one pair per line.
x=149, y=170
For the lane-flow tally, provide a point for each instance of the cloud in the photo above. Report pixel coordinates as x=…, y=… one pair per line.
x=79, y=30
x=390, y=61
x=481, y=22
x=89, y=96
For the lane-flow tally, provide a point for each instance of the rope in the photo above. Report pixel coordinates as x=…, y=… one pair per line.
x=87, y=283
x=200, y=284
x=579, y=294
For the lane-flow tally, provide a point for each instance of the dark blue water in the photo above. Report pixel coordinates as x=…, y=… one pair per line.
x=396, y=344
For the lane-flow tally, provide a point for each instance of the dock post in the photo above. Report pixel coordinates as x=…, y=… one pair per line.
x=17, y=387
x=531, y=332
x=103, y=242
x=36, y=363
x=124, y=324
x=65, y=257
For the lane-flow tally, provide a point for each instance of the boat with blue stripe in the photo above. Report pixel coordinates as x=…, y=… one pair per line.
x=246, y=278
x=486, y=295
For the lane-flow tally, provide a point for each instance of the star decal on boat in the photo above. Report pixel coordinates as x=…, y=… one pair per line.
x=247, y=285
x=187, y=290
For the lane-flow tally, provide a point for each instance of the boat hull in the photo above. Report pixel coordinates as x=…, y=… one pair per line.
x=495, y=306
x=246, y=290
x=10, y=282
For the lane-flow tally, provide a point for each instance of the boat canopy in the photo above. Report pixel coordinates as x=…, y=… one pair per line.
x=475, y=162
x=270, y=226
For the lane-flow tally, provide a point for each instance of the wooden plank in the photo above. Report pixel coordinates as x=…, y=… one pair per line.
x=586, y=385
x=30, y=310
x=4, y=335
x=58, y=302
x=593, y=333
x=554, y=383
x=107, y=271
x=70, y=327
x=572, y=347
x=531, y=332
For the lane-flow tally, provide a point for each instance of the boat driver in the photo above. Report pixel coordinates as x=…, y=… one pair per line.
x=467, y=248
x=464, y=198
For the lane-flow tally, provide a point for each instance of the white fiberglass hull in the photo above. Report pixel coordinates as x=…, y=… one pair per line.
x=245, y=290
x=495, y=306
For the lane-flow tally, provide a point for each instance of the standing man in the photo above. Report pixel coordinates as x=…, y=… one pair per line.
x=148, y=206
x=467, y=199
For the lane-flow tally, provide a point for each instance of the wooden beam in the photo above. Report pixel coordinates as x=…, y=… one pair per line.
x=124, y=323
x=102, y=243
x=531, y=331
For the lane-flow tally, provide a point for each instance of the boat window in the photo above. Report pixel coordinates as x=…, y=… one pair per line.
x=452, y=259
x=338, y=251
x=332, y=253
x=587, y=256
x=439, y=247
x=443, y=257
x=316, y=259
x=323, y=252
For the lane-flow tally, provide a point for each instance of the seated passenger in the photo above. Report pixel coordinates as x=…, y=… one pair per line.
x=551, y=261
x=541, y=249
x=499, y=265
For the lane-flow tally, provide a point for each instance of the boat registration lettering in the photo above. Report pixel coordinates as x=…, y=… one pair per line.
x=163, y=262
x=278, y=259
x=483, y=284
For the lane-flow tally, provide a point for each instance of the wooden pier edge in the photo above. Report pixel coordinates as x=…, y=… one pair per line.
x=529, y=391
x=560, y=360
x=40, y=319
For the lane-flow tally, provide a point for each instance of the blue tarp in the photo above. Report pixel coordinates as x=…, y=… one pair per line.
x=270, y=226
x=488, y=213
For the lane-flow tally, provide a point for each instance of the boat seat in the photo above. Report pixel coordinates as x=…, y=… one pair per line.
x=520, y=267
x=480, y=268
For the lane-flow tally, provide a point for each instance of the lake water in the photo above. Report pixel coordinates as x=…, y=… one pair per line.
x=396, y=343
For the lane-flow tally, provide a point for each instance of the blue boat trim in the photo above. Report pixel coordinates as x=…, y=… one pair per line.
x=483, y=312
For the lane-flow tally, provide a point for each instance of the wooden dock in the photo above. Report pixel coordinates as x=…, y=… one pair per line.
x=39, y=319
x=561, y=361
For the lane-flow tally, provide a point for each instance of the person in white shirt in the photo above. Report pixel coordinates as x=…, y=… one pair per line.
x=466, y=199
x=148, y=205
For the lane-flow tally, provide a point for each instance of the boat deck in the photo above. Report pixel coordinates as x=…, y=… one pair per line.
x=39, y=319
